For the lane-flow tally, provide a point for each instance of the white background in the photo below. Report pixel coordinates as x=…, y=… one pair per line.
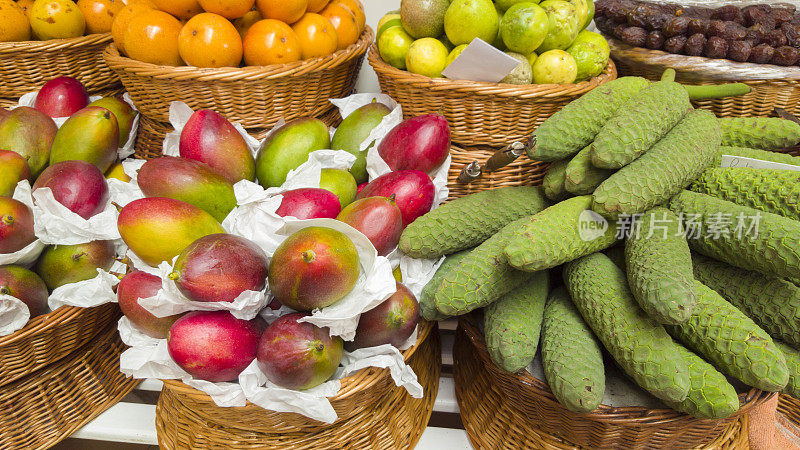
x=375, y=9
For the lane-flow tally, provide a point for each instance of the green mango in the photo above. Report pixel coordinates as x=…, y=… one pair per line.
x=63, y=264
x=353, y=130
x=190, y=181
x=341, y=183
x=30, y=133
x=91, y=135
x=122, y=111
x=288, y=148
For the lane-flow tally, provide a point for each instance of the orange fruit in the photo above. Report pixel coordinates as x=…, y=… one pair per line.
x=26, y=6
x=271, y=41
x=344, y=22
x=244, y=23
x=289, y=11
x=210, y=40
x=152, y=37
x=182, y=9
x=357, y=9
x=123, y=18
x=14, y=24
x=317, y=35
x=231, y=9
x=99, y=14
x=317, y=5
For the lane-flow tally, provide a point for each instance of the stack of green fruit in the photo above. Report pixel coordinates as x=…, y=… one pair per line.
x=549, y=39
x=702, y=285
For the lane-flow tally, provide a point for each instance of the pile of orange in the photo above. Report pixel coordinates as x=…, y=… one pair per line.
x=23, y=20
x=227, y=33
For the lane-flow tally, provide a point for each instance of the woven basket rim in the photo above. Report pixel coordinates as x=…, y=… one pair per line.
x=363, y=379
x=486, y=88
x=45, y=322
x=606, y=413
x=55, y=44
x=118, y=62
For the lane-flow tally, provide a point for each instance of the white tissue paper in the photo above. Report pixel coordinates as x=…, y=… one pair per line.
x=54, y=223
x=88, y=293
x=14, y=314
x=169, y=300
x=179, y=114
x=123, y=152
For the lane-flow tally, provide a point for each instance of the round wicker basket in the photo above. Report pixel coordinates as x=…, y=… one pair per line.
x=479, y=113
x=47, y=339
x=790, y=408
x=151, y=133
x=256, y=97
x=766, y=94
x=492, y=423
x=50, y=404
x=26, y=66
x=373, y=412
x=607, y=427
x=521, y=172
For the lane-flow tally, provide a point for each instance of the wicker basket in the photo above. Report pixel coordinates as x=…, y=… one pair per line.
x=790, y=408
x=256, y=97
x=765, y=95
x=151, y=133
x=373, y=412
x=26, y=66
x=481, y=113
x=47, y=339
x=608, y=427
x=48, y=405
x=521, y=172
x=492, y=423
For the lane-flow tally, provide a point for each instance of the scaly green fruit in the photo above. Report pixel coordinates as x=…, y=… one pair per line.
x=571, y=355
x=764, y=155
x=580, y=177
x=671, y=165
x=576, y=125
x=770, y=190
x=354, y=130
x=468, y=221
x=659, y=267
x=765, y=133
x=481, y=277
x=773, y=303
x=512, y=323
x=427, y=303
x=755, y=240
x=638, y=343
x=91, y=135
x=641, y=122
x=710, y=395
x=288, y=147
x=732, y=342
x=558, y=234
x=792, y=358
x=554, y=179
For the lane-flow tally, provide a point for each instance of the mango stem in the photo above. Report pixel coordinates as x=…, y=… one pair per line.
x=668, y=75
x=8, y=219
x=309, y=256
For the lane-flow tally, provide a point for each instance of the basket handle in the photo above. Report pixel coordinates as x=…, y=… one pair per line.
x=498, y=160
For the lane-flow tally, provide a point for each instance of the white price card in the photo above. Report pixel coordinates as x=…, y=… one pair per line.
x=480, y=62
x=741, y=161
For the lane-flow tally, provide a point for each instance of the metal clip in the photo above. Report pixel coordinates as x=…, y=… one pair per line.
x=469, y=173
x=506, y=155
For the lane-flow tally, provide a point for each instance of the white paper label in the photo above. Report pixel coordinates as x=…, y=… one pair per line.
x=741, y=161
x=480, y=62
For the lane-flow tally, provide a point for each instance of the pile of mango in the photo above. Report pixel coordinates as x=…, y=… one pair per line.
x=640, y=245
x=24, y=20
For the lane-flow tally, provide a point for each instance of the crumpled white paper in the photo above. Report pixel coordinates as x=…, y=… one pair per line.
x=416, y=272
x=88, y=293
x=255, y=216
x=14, y=314
x=149, y=358
x=179, y=115
x=169, y=300
x=123, y=152
x=375, y=282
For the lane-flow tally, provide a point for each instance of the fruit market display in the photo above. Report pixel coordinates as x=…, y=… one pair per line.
x=756, y=33
x=211, y=33
x=549, y=39
x=683, y=270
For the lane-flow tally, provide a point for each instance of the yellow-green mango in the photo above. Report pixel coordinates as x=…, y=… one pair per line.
x=30, y=133
x=354, y=130
x=288, y=148
x=91, y=135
